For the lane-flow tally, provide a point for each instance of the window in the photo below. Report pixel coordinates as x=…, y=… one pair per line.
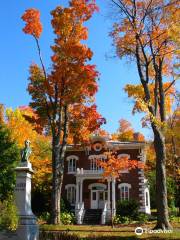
x=93, y=162
x=97, y=147
x=124, y=155
x=147, y=202
x=71, y=193
x=124, y=191
x=72, y=164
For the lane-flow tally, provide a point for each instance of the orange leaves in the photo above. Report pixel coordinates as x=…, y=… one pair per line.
x=33, y=25
x=84, y=121
x=114, y=165
x=126, y=132
x=84, y=8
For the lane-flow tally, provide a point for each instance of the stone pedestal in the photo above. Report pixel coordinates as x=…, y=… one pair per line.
x=28, y=228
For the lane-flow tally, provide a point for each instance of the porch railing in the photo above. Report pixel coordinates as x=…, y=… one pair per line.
x=92, y=171
x=80, y=212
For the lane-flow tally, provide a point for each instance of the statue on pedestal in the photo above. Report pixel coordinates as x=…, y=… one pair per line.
x=26, y=151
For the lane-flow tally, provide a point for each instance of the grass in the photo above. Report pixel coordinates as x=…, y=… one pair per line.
x=117, y=233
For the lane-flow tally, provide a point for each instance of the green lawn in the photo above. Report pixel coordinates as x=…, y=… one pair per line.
x=121, y=232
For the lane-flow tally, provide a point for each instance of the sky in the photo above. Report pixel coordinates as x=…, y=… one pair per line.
x=18, y=51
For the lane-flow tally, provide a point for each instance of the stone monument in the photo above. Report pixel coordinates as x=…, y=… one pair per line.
x=28, y=228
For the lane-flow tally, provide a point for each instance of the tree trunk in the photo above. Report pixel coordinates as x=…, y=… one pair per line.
x=56, y=186
x=58, y=156
x=161, y=190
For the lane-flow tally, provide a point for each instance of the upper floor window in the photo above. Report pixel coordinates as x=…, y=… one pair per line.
x=94, y=162
x=71, y=193
x=124, y=155
x=72, y=163
x=124, y=191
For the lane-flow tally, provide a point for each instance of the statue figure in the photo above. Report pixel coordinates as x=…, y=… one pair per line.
x=26, y=152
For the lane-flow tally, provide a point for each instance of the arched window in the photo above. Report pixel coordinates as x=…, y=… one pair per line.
x=124, y=191
x=72, y=163
x=93, y=162
x=71, y=193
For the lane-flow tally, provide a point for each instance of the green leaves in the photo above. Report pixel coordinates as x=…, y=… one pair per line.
x=8, y=160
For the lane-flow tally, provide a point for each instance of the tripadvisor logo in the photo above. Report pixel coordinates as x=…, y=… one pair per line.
x=140, y=231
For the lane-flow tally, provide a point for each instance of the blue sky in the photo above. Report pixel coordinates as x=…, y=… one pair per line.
x=18, y=52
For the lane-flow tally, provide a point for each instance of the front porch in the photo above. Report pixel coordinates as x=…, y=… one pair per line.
x=94, y=196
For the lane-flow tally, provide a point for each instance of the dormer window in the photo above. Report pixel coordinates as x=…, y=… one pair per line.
x=72, y=163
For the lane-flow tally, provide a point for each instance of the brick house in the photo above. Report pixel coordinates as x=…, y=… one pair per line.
x=92, y=197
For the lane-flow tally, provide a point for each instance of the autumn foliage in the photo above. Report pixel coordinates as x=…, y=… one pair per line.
x=66, y=92
x=33, y=25
x=114, y=165
x=21, y=130
x=126, y=132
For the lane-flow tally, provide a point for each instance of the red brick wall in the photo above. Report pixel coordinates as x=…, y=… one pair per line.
x=84, y=162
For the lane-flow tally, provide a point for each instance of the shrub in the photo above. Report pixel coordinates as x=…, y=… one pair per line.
x=44, y=217
x=65, y=205
x=127, y=208
x=67, y=218
x=121, y=219
x=8, y=216
x=142, y=218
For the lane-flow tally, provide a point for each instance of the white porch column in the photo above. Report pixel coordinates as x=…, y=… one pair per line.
x=113, y=198
x=81, y=190
x=108, y=204
x=77, y=192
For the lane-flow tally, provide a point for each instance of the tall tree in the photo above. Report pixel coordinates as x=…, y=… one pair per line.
x=71, y=81
x=142, y=34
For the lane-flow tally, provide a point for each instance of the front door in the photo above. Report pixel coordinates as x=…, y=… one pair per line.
x=94, y=199
x=97, y=199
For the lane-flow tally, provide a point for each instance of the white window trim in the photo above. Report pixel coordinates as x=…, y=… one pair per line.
x=97, y=185
x=70, y=186
x=124, y=155
x=124, y=185
x=93, y=161
x=70, y=158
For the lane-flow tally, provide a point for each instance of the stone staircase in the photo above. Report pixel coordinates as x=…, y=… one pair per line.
x=92, y=217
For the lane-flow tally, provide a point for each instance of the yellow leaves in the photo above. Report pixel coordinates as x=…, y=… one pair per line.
x=22, y=130
x=19, y=127
x=137, y=92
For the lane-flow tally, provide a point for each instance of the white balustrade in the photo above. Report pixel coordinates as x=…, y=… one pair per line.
x=104, y=213
x=80, y=212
